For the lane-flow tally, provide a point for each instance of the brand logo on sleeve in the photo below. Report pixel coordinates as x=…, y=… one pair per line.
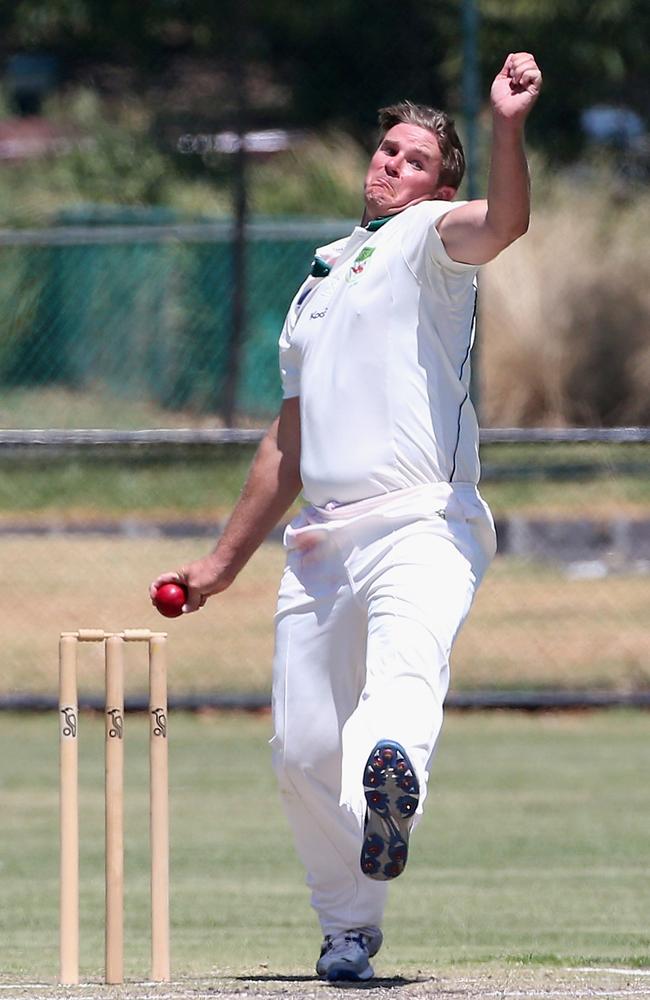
x=359, y=265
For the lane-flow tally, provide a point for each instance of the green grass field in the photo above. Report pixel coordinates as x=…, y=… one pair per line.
x=532, y=862
x=605, y=480
x=532, y=859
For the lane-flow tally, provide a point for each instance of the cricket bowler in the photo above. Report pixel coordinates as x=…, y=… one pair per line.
x=377, y=430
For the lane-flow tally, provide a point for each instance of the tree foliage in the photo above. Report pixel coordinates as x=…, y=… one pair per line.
x=338, y=61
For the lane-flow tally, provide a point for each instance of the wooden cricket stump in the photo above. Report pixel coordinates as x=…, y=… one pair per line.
x=114, y=802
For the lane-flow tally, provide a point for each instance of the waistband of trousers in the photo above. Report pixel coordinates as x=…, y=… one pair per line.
x=412, y=498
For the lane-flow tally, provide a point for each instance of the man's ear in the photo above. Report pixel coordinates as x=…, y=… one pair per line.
x=445, y=193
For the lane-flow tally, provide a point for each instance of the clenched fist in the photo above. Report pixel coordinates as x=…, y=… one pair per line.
x=516, y=87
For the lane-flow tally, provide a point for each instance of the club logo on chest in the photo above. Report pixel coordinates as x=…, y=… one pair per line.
x=359, y=265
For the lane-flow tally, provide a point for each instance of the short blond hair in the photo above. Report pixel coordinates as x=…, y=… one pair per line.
x=452, y=165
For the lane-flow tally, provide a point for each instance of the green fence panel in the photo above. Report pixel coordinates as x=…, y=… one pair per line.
x=145, y=312
x=274, y=271
x=28, y=341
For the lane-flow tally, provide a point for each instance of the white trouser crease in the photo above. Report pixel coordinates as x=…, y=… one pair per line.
x=371, y=601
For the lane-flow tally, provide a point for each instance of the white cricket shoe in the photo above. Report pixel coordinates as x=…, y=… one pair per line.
x=345, y=956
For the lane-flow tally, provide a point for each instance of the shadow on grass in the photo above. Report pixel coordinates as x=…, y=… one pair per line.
x=385, y=983
x=379, y=982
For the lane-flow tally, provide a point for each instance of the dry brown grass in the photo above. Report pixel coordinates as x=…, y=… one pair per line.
x=320, y=176
x=530, y=626
x=534, y=626
x=103, y=583
x=565, y=321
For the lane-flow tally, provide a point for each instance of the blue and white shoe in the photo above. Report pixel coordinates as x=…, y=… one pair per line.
x=392, y=794
x=345, y=957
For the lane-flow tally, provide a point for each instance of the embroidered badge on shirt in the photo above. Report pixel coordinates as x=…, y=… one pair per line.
x=359, y=265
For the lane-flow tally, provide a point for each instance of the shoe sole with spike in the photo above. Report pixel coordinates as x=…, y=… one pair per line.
x=392, y=793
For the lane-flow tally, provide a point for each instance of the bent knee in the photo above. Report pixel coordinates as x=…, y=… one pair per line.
x=297, y=764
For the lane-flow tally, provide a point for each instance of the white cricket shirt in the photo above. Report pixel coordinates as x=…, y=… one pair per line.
x=378, y=352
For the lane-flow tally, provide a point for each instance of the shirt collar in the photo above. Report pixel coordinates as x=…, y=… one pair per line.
x=320, y=268
x=376, y=224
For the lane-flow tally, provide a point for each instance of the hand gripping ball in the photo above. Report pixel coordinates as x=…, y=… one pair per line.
x=170, y=598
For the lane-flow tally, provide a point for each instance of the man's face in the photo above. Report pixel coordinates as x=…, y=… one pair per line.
x=404, y=171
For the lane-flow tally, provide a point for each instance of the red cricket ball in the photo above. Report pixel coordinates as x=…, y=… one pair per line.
x=170, y=598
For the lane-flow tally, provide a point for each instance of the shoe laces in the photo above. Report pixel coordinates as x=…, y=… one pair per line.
x=343, y=943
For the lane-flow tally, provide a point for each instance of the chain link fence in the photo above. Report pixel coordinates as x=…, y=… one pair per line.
x=145, y=313
x=129, y=327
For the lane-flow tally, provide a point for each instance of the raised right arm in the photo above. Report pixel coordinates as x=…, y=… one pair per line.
x=272, y=485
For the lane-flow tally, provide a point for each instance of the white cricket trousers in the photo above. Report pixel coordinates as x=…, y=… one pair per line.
x=372, y=597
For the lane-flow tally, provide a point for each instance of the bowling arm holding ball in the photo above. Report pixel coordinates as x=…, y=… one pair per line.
x=272, y=485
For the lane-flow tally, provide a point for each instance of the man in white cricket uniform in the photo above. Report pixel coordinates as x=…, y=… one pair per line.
x=383, y=562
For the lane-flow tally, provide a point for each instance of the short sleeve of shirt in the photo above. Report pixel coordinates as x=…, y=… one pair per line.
x=289, y=362
x=422, y=244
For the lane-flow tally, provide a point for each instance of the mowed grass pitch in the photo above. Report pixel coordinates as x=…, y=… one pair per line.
x=532, y=857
